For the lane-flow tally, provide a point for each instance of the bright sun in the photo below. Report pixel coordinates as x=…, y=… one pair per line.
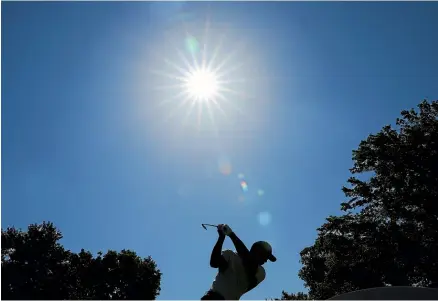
x=203, y=81
x=202, y=84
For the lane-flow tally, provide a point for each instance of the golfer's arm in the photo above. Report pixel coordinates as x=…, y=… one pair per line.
x=216, y=259
x=241, y=249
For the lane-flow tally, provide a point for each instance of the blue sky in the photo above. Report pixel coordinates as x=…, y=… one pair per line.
x=87, y=145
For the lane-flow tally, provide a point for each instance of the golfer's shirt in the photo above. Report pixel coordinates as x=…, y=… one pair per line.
x=233, y=282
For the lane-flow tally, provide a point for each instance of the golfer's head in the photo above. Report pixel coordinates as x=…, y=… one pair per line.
x=262, y=252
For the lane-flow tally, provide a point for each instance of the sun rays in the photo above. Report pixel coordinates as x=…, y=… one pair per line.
x=201, y=85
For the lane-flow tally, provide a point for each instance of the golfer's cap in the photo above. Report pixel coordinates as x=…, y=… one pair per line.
x=267, y=247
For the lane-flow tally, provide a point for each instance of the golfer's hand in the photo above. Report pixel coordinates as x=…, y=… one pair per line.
x=225, y=229
x=220, y=231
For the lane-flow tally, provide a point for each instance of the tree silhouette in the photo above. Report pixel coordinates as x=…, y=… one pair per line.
x=389, y=232
x=36, y=266
x=297, y=296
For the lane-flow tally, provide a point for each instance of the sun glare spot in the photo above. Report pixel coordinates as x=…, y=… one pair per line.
x=202, y=84
x=203, y=80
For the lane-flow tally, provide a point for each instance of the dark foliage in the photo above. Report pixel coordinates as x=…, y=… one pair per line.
x=36, y=266
x=389, y=232
x=297, y=296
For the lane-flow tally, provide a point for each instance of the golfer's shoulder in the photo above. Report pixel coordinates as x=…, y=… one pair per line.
x=260, y=274
x=229, y=254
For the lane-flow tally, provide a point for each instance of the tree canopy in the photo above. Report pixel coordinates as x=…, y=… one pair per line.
x=388, y=234
x=36, y=266
x=297, y=296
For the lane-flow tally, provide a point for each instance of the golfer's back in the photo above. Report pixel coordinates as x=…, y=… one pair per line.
x=233, y=282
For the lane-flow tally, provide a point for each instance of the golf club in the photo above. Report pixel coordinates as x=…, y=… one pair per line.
x=205, y=226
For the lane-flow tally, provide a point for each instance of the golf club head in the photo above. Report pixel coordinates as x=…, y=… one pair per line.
x=205, y=226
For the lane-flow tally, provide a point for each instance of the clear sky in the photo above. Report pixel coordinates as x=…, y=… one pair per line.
x=89, y=142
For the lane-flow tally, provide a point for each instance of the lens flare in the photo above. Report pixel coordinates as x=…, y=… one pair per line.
x=264, y=218
x=260, y=192
x=244, y=186
x=225, y=166
x=192, y=45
